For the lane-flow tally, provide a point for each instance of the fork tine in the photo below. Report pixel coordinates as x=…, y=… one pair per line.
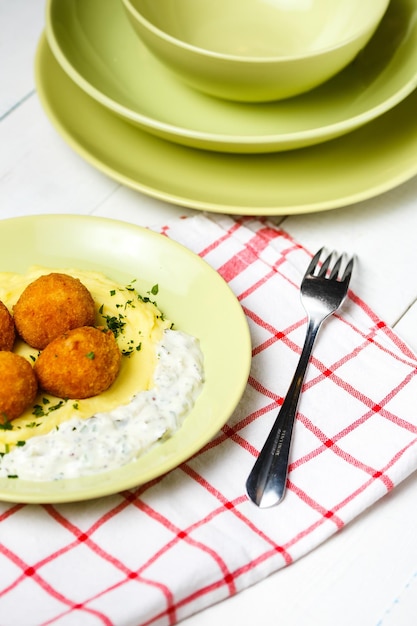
x=335, y=271
x=314, y=262
x=325, y=266
x=348, y=270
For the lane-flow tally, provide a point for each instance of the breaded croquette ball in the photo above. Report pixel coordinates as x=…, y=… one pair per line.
x=7, y=329
x=18, y=387
x=79, y=364
x=51, y=305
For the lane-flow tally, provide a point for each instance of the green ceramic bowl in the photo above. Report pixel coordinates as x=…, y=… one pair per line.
x=255, y=50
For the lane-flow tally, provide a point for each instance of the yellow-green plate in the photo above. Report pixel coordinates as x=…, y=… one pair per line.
x=191, y=293
x=362, y=164
x=95, y=44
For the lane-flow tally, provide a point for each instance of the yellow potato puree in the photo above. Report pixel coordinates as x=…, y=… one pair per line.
x=138, y=325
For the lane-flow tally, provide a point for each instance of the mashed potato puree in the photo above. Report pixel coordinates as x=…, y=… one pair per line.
x=138, y=326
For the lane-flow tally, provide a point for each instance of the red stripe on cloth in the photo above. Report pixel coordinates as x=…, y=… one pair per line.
x=255, y=286
x=231, y=433
x=237, y=264
x=183, y=534
x=256, y=384
x=218, y=242
x=325, y=514
x=338, y=450
x=232, y=506
x=32, y=572
x=331, y=515
x=275, y=334
x=11, y=511
x=248, y=255
x=106, y=556
x=382, y=326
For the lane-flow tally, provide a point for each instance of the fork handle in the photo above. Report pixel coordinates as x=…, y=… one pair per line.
x=266, y=482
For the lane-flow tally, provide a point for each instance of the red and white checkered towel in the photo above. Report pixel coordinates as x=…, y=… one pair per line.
x=159, y=553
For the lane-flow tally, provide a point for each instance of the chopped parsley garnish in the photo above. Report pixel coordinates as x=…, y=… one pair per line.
x=41, y=411
x=115, y=324
x=132, y=348
x=56, y=406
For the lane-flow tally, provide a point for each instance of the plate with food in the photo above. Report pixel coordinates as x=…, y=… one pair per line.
x=117, y=362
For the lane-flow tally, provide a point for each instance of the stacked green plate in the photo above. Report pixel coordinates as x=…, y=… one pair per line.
x=350, y=139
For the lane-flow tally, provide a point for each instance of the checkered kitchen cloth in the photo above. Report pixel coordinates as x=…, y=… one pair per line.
x=158, y=553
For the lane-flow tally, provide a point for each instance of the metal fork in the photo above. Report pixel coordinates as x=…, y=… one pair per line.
x=323, y=291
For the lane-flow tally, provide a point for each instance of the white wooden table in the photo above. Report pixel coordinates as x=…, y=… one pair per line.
x=366, y=574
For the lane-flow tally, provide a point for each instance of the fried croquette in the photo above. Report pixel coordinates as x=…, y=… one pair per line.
x=79, y=364
x=7, y=328
x=18, y=387
x=51, y=305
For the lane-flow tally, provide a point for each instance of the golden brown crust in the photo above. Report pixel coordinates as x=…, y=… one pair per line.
x=7, y=328
x=79, y=364
x=18, y=387
x=51, y=305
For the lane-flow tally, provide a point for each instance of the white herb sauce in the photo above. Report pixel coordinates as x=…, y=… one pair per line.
x=81, y=447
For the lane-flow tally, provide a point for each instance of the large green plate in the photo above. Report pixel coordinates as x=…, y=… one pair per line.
x=191, y=293
x=95, y=44
x=362, y=164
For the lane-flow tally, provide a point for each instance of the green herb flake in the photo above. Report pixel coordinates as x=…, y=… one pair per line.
x=42, y=411
x=56, y=406
x=115, y=324
x=130, y=287
x=35, y=424
x=91, y=356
